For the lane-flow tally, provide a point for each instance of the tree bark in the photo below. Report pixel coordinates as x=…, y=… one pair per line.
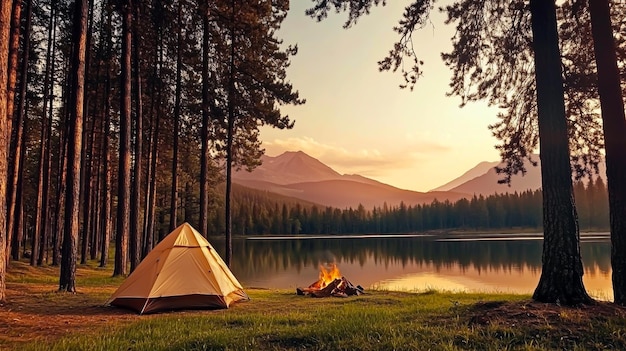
x=206, y=119
x=151, y=193
x=135, y=231
x=61, y=176
x=123, y=188
x=174, y=193
x=614, y=126
x=562, y=270
x=154, y=153
x=18, y=233
x=14, y=155
x=147, y=218
x=229, y=141
x=14, y=45
x=5, y=26
x=67, y=281
x=105, y=200
x=95, y=209
x=86, y=152
x=49, y=89
x=20, y=144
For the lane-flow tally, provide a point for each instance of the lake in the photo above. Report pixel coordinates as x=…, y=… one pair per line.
x=471, y=263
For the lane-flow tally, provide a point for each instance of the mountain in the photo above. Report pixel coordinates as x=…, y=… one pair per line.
x=474, y=172
x=487, y=182
x=289, y=167
x=296, y=174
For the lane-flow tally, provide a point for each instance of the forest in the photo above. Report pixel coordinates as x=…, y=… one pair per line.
x=169, y=93
x=121, y=119
x=258, y=213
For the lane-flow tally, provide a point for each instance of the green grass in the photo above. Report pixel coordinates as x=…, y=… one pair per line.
x=281, y=320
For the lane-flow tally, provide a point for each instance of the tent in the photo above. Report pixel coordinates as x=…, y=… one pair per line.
x=182, y=272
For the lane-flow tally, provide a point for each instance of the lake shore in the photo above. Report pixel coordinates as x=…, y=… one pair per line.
x=36, y=317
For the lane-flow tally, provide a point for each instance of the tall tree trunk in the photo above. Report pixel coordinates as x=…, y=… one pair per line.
x=158, y=110
x=147, y=235
x=174, y=194
x=43, y=179
x=135, y=206
x=105, y=197
x=61, y=178
x=94, y=207
x=14, y=46
x=20, y=122
x=47, y=214
x=151, y=206
x=229, y=140
x=90, y=195
x=88, y=190
x=614, y=125
x=206, y=119
x=123, y=188
x=85, y=171
x=67, y=281
x=19, y=210
x=562, y=270
x=97, y=189
x=14, y=49
x=105, y=201
x=5, y=26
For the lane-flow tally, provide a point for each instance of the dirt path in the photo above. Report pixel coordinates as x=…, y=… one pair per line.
x=38, y=312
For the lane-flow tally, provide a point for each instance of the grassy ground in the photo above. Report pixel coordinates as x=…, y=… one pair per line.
x=36, y=317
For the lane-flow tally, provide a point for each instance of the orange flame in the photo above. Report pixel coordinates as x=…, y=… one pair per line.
x=329, y=275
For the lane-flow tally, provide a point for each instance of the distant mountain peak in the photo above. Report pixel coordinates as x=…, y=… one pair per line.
x=289, y=167
x=474, y=172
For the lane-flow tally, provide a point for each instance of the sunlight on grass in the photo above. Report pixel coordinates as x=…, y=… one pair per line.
x=280, y=320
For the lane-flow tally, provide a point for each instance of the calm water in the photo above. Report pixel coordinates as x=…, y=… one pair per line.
x=489, y=263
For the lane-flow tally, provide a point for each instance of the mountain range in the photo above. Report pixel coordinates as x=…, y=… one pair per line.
x=298, y=175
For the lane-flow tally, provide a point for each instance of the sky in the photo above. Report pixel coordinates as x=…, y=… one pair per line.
x=358, y=121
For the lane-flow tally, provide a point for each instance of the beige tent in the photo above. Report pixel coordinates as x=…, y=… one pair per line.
x=182, y=272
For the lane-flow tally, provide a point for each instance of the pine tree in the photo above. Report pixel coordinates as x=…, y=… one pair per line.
x=614, y=126
x=5, y=26
x=67, y=280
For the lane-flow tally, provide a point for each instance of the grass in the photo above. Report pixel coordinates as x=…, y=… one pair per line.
x=36, y=317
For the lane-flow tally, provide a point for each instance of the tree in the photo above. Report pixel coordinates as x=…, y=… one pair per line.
x=254, y=72
x=206, y=118
x=67, y=280
x=14, y=155
x=20, y=140
x=177, y=118
x=135, y=202
x=123, y=187
x=105, y=198
x=614, y=126
x=5, y=26
x=562, y=270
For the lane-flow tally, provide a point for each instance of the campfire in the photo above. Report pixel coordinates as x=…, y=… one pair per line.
x=331, y=283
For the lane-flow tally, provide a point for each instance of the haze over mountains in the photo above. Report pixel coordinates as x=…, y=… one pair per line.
x=301, y=176
x=483, y=180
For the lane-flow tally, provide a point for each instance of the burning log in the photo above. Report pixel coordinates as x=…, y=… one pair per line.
x=331, y=283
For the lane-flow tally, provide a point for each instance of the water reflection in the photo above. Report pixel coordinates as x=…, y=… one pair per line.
x=495, y=263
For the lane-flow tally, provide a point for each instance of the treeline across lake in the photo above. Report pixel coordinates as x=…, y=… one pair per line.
x=258, y=214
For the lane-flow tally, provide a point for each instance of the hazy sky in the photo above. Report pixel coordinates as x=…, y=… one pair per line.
x=357, y=119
